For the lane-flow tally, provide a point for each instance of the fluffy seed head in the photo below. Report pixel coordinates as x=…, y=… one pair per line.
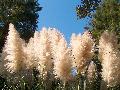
x=82, y=47
x=110, y=58
x=105, y=39
x=14, y=51
x=54, y=37
x=92, y=74
x=62, y=63
x=43, y=53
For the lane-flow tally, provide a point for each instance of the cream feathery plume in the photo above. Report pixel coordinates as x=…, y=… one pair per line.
x=43, y=53
x=30, y=54
x=31, y=51
x=92, y=76
x=91, y=72
x=54, y=37
x=14, y=58
x=14, y=51
x=105, y=39
x=36, y=40
x=62, y=62
x=82, y=50
x=110, y=58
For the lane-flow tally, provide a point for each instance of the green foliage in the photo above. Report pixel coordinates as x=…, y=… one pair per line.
x=22, y=13
x=87, y=7
x=106, y=18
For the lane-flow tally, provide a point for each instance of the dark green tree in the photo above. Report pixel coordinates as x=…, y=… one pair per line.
x=22, y=13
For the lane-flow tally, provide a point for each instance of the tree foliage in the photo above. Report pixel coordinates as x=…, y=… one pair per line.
x=106, y=18
x=104, y=15
x=87, y=7
x=22, y=13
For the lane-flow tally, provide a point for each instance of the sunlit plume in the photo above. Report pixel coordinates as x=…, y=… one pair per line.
x=110, y=58
x=62, y=62
x=91, y=72
x=14, y=58
x=43, y=53
x=30, y=54
x=105, y=39
x=14, y=51
x=32, y=50
x=82, y=50
x=54, y=37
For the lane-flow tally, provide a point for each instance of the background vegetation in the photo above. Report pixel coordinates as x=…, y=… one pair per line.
x=45, y=62
x=22, y=13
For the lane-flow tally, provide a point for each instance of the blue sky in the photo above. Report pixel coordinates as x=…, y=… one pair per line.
x=61, y=14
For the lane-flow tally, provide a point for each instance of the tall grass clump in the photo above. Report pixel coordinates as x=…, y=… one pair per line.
x=48, y=62
x=62, y=62
x=13, y=59
x=110, y=58
x=82, y=50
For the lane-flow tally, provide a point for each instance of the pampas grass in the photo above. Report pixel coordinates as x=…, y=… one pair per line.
x=49, y=54
x=82, y=46
x=62, y=62
x=43, y=53
x=91, y=72
x=110, y=58
x=54, y=38
x=14, y=61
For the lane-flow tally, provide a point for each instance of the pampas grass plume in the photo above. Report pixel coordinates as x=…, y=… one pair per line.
x=82, y=46
x=110, y=58
x=43, y=53
x=14, y=51
x=62, y=62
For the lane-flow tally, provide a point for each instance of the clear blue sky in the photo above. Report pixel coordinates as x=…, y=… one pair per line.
x=61, y=14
